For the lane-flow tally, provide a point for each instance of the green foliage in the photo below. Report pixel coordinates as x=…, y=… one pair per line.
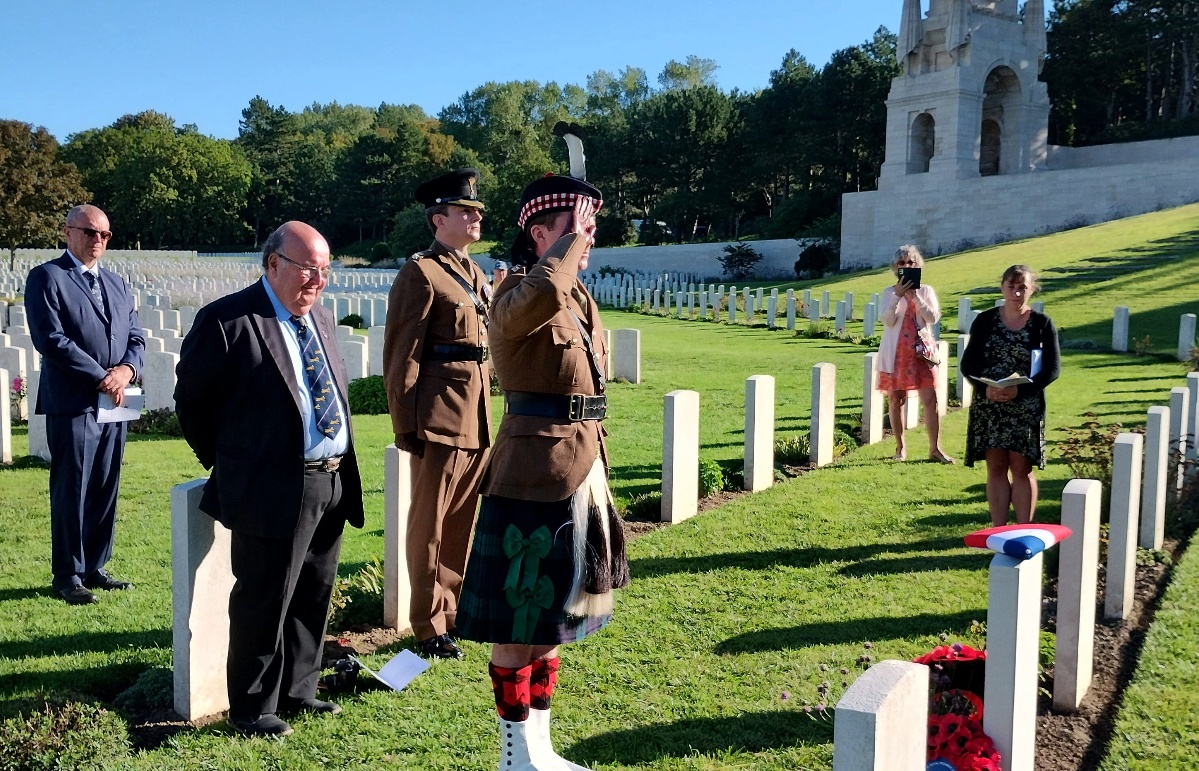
x=358, y=599
x=36, y=186
x=792, y=450
x=62, y=734
x=817, y=330
x=711, y=477
x=646, y=507
x=154, y=691
x=380, y=251
x=409, y=232
x=612, y=230
x=814, y=260
x=739, y=261
x=1087, y=449
x=652, y=233
x=368, y=396
x=162, y=422
x=352, y=320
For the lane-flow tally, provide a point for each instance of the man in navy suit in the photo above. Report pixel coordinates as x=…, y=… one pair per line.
x=83, y=323
x=261, y=398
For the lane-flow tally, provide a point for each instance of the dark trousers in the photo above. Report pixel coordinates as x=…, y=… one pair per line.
x=280, y=604
x=85, y=475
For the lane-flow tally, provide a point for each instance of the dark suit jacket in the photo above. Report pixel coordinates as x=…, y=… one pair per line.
x=78, y=340
x=536, y=346
x=238, y=408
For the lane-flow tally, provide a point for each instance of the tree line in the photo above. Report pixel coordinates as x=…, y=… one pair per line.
x=678, y=159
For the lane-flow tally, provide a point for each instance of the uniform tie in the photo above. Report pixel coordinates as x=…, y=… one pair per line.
x=320, y=380
x=94, y=285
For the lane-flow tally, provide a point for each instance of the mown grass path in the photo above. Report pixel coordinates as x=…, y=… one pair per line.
x=729, y=612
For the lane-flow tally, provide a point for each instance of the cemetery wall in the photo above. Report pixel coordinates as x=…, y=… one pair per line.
x=943, y=215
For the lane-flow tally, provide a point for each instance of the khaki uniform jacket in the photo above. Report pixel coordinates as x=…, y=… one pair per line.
x=448, y=402
x=536, y=347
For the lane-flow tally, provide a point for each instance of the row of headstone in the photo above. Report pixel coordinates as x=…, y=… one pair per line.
x=1186, y=333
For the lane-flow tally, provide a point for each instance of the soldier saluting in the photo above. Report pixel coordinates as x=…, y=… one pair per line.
x=438, y=380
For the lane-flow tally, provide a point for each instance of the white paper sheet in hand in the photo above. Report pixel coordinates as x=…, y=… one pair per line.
x=108, y=412
x=398, y=672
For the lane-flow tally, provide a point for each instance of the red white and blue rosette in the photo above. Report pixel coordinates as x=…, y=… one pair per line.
x=1018, y=541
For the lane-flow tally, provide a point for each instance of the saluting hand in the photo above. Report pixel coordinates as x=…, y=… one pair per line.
x=583, y=218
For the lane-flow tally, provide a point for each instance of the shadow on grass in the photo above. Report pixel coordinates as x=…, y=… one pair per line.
x=764, y=560
x=93, y=642
x=976, y=560
x=25, y=593
x=103, y=682
x=24, y=462
x=854, y=630
x=751, y=732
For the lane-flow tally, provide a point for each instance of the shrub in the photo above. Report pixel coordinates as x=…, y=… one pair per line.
x=153, y=692
x=353, y=320
x=843, y=442
x=380, y=251
x=815, y=259
x=368, y=396
x=611, y=230
x=739, y=261
x=409, y=232
x=652, y=233
x=646, y=507
x=793, y=450
x=358, y=599
x=61, y=733
x=163, y=422
x=1088, y=449
x=711, y=478
x=817, y=330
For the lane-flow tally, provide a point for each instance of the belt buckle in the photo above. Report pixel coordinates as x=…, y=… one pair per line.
x=577, y=408
x=599, y=410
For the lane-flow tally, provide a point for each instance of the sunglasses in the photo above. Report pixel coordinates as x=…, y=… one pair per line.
x=92, y=232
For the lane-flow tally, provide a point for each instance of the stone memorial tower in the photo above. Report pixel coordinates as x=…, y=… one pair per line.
x=968, y=102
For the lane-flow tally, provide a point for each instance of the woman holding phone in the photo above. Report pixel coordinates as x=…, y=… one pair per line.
x=905, y=361
x=1007, y=427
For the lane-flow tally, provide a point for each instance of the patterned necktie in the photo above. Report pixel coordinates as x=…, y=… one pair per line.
x=320, y=380
x=94, y=285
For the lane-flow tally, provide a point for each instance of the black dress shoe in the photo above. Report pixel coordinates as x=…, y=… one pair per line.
x=101, y=580
x=440, y=647
x=313, y=706
x=77, y=595
x=260, y=725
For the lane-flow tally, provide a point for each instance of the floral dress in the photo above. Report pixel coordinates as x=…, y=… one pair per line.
x=910, y=373
x=1016, y=426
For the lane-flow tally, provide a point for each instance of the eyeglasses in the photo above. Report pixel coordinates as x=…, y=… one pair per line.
x=92, y=232
x=307, y=271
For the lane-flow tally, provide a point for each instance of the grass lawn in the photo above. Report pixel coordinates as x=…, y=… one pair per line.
x=722, y=636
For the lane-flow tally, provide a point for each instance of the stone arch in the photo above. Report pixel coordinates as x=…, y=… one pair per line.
x=923, y=136
x=1001, y=98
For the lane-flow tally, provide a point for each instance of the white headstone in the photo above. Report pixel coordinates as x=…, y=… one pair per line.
x=869, y=319
x=1186, y=336
x=881, y=720
x=5, y=418
x=839, y=319
x=374, y=338
x=1037, y=306
x=158, y=376
x=826, y=305
x=680, y=456
x=1078, y=571
x=13, y=360
x=154, y=344
x=965, y=390
x=1179, y=421
x=202, y=579
x=1120, y=329
x=964, y=316
x=354, y=354
x=872, y=402
x=397, y=498
x=1193, y=411
x=39, y=442
x=1013, y=642
x=911, y=410
x=942, y=379
x=849, y=306
x=626, y=350
x=824, y=403
x=609, y=361
x=1153, y=495
x=1124, y=518
x=791, y=312
x=759, y=432
x=772, y=310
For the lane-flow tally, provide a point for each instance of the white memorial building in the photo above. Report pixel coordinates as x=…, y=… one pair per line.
x=968, y=161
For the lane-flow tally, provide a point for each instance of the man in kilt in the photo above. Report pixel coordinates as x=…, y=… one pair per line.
x=548, y=548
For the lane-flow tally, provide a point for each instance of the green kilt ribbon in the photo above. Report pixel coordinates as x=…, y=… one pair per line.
x=527, y=604
x=526, y=552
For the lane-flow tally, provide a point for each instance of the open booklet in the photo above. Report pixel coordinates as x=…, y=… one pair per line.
x=1009, y=381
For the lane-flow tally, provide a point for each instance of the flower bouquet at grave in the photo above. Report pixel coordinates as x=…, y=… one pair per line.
x=17, y=393
x=956, y=741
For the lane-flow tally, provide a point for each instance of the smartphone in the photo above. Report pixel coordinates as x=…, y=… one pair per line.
x=910, y=275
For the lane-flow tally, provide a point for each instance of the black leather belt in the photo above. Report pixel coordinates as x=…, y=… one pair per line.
x=449, y=352
x=323, y=464
x=572, y=407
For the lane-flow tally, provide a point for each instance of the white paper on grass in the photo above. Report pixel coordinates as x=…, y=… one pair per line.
x=398, y=672
x=107, y=410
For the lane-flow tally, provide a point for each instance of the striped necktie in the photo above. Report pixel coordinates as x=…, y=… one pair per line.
x=320, y=380
x=94, y=285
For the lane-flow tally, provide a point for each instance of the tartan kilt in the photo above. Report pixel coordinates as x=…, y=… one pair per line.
x=485, y=610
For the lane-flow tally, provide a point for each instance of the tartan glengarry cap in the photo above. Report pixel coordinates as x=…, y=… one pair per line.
x=459, y=188
x=554, y=192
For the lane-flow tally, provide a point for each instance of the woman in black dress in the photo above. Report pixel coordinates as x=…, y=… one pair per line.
x=1007, y=426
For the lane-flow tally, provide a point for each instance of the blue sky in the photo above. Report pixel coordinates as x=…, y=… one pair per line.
x=71, y=65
